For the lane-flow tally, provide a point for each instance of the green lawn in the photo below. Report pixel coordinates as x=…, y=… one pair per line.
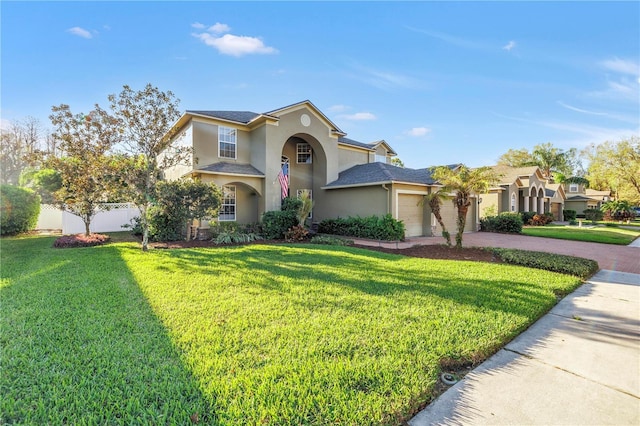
x=262, y=334
x=598, y=234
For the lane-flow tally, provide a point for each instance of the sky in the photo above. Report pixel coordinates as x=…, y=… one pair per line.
x=441, y=82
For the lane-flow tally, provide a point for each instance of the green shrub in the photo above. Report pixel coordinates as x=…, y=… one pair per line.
x=569, y=215
x=275, y=223
x=527, y=216
x=165, y=227
x=291, y=204
x=330, y=240
x=234, y=237
x=593, y=215
x=508, y=223
x=20, y=209
x=571, y=265
x=375, y=227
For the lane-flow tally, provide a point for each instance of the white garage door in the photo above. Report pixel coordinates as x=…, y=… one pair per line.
x=411, y=214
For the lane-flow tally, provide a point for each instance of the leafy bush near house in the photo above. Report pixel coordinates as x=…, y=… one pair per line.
x=593, y=215
x=330, y=240
x=20, y=209
x=540, y=219
x=374, y=227
x=527, y=216
x=571, y=265
x=291, y=204
x=296, y=234
x=233, y=233
x=569, y=215
x=81, y=240
x=275, y=223
x=508, y=223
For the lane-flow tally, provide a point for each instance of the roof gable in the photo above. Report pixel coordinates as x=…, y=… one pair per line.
x=309, y=105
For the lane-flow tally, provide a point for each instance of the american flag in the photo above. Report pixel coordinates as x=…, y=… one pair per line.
x=283, y=178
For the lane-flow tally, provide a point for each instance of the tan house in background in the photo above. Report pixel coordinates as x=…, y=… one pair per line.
x=247, y=154
x=521, y=189
x=581, y=198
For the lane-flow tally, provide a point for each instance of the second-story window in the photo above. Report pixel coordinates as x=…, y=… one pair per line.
x=227, y=142
x=304, y=153
x=573, y=187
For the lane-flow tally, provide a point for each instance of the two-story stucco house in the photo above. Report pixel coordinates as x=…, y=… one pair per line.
x=257, y=158
x=581, y=198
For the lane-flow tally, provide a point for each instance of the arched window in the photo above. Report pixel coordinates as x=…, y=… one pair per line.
x=513, y=202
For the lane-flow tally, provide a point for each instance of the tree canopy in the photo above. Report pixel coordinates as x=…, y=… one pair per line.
x=547, y=157
x=145, y=118
x=615, y=166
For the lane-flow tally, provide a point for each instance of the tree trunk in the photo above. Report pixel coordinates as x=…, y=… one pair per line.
x=145, y=227
x=87, y=225
x=460, y=222
x=434, y=203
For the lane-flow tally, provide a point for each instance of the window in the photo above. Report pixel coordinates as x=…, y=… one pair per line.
x=513, y=202
x=381, y=158
x=573, y=187
x=228, y=207
x=304, y=153
x=299, y=194
x=226, y=142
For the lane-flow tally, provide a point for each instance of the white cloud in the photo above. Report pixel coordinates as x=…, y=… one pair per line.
x=622, y=66
x=5, y=124
x=453, y=40
x=80, y=32
x=359, y=116
x=198, y=26
x=418, y=131
x=584, y=111
x=338, y=108
x=219, y=28
x=233, y=45
x=509, y=46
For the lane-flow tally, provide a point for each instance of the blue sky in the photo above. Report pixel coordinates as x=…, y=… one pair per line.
x=440, y=82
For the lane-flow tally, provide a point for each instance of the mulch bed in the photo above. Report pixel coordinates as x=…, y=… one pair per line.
x=423, y=251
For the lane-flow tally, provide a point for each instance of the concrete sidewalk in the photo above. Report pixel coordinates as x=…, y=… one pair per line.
x=578, y=365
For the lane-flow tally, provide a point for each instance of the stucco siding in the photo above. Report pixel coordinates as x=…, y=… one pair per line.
x=350, y=157
x=361, y=201
x=183, y=139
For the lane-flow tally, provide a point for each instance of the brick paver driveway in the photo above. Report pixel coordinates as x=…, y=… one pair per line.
x=608, y=256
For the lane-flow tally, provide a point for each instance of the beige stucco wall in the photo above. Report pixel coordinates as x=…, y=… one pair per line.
x=361, y=201
x=182, y=139
x=248, y=197
x=325, y=166
x=205, y=139
x=350, y=157
x=491, y=204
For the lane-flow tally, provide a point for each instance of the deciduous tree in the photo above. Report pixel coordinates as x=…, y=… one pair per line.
x=83, y=166
x=17, y=144
x=146, y=117
x=615, y=166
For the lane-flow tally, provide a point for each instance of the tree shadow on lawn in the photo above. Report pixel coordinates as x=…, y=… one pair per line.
x=81, y=344
x=281, y=268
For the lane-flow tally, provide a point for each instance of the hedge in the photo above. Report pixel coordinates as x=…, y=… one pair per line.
x=20, y=209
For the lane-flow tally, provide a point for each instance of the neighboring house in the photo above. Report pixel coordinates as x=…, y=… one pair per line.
x=520, y=189
x=557, y=198
x=581, y=198
x=257, y=158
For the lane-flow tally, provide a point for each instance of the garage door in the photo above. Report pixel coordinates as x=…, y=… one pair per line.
x=411, y=214
x=450, y=215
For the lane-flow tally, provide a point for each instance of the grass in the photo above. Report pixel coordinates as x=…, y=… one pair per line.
x=264, y=334
x=598, y=234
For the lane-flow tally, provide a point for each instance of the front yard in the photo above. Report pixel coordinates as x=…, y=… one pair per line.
x=262, y=334
x=588, y=233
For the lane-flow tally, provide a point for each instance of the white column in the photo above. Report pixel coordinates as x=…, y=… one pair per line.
x=534, y=204
x=541, y=205
x=525, y=208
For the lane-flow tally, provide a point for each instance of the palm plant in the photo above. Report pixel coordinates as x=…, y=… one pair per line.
x=617, y=210
x=435, y=202
x=464, y=182
x=305, y=208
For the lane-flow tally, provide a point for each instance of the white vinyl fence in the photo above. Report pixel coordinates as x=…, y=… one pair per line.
x=110, y=219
